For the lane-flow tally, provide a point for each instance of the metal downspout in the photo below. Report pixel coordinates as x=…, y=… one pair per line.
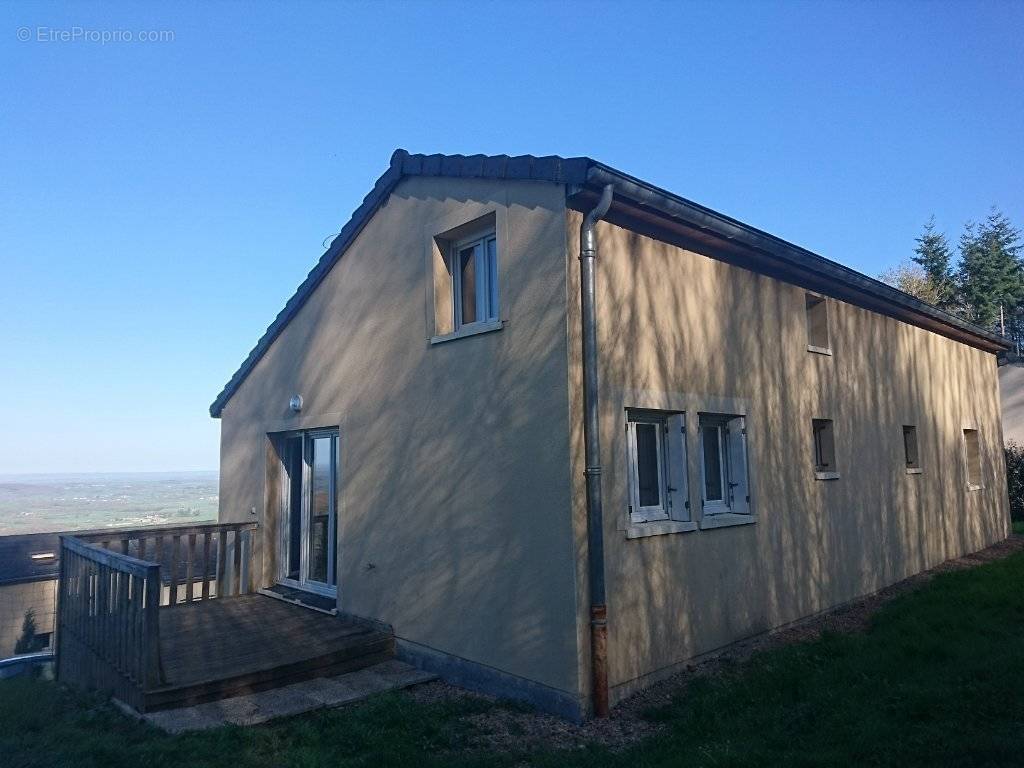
x=592, y=457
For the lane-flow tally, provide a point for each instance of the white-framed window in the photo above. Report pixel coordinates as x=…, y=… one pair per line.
x=725, y=485
x=656, y=443
x=473, y=264
x=972, y=456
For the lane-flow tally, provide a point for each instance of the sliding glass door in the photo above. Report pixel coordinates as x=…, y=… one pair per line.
x=310, y=519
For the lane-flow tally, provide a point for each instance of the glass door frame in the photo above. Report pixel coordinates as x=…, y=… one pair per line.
x=306, y=438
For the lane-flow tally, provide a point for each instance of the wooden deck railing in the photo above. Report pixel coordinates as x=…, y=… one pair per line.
x=197, y=562
x=113, y=584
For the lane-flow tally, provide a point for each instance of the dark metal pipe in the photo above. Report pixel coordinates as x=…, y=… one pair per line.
x=592, y=456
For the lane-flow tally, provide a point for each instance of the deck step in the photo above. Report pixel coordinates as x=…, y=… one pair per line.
x=373, y=652
x=256, y=643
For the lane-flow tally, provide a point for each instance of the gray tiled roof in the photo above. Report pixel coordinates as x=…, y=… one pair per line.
x=582, y=173
x=16, y=563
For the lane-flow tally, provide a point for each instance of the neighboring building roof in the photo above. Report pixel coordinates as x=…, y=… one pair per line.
x=642, y=207
x=17, y=564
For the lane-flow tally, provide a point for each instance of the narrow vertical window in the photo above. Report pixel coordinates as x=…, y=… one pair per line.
x=657, y=466
x=468, y=258
x=474, y=273
x=910, y=455
x=817, y=324
x=711, y=442
x=724, y=484
x=824, y=449
x=648, y=465
x=972, y=455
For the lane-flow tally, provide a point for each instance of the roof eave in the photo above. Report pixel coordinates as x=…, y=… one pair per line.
x=638, y=199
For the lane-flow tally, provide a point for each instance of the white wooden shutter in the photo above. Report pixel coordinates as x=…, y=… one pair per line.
x=739, y=484
x=634, y=508
x=678, y=492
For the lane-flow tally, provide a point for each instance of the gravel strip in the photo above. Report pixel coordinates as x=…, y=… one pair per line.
x=514, y=729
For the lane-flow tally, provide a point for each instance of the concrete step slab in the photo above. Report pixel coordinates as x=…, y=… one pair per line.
x=294, y=699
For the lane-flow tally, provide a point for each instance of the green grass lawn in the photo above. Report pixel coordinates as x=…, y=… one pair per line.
x=1018, y=526
x=937, y=681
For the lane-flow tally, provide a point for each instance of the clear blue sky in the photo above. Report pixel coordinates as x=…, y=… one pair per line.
x=160, y=201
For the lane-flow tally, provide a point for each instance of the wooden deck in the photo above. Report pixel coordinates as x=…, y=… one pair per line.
x=218, y=648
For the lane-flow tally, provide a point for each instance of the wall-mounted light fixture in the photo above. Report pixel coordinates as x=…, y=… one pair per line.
x=295, y=403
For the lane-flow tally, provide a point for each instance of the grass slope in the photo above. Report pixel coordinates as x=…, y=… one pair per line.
x=938, y=681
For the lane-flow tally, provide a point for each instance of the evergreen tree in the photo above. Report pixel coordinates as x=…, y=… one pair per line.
x=934, y=255
x=990, y=269
x=28, y=642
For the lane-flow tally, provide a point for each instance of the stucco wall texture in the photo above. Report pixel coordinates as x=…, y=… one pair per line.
x=679, y=329
x=454, y=499
x=462, y=511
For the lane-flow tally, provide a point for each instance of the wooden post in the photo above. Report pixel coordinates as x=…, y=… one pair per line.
x=236, y=571
x=205, y=594
x=63, y=584
x=151, y=629
x=222, y=561
x=175, y=545
x=189, y=560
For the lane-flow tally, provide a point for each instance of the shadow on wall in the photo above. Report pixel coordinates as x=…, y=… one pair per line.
x=734, y=333
x=455, y=488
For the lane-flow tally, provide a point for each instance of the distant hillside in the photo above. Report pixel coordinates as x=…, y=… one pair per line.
x=45, y=503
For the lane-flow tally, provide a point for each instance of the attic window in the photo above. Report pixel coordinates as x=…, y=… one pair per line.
x=466, y=297
x=817, y=324
x=473, y=265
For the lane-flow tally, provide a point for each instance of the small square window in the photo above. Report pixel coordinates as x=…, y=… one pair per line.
x=910, y=455
x=724, y=479
x=657, y=466
x=824, y=449
x=972, y=454
x=817, y=324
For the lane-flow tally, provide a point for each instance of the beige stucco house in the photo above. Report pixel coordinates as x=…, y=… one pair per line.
x=766, y=434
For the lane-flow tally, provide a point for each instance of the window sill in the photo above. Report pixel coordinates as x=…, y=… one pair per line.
x=472, y=329
x=658, y=528
x=914, y=470
x=819, y=350
x=726, y=520
x=826, y=475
